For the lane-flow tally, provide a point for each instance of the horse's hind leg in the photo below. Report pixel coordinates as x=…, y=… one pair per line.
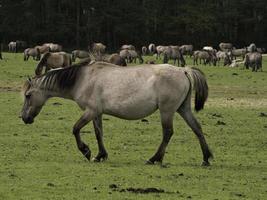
x=102, y=153
x=167, y=131
x=85, y=119
x=186, y=113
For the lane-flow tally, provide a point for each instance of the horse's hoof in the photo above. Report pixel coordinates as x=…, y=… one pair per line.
x=100, y=158
x=96, y=159
x=205, y=164
x=149, y=162
x=88, y=155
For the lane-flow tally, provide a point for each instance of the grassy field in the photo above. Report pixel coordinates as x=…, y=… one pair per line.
x=41, y=161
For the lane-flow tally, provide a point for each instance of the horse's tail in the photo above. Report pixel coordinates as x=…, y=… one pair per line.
x=199, y=83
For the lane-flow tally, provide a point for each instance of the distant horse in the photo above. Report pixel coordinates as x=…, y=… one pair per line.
x=98, y=49
x=130, y=93
x=152, y=48
x=12, y=46
x=125, y=54
x=208, y=48
x=173, y=53
x=261, y=50
x=234, y=53
x=116, y=59
x=160, y=49
x=43, y=49
x=20, y=45
x=128, y=47
x=253, y=60
x=226, y=46
x=187, y=49
x=79, y=54
x=208, y=57
x=135, y=55
x=252, y=48
x=53, y=47
x=52, y=61
x=144, y=50
x=221, y=55
x=33, y=52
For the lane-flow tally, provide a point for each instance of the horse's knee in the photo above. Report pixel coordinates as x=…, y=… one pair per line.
x=75, y=131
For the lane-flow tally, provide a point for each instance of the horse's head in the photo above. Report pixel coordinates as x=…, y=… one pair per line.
x=34, y=100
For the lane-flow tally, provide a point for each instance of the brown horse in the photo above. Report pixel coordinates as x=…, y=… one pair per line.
x=43, y=49
x=52, y=61
x=53, y=47
x=116, y=59
x=33, y=52
x=130, y=93
x=79, y=54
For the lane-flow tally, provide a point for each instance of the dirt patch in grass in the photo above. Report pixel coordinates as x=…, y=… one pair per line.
x=237, y=102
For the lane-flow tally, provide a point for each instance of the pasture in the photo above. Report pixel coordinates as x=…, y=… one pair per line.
x=41, y=161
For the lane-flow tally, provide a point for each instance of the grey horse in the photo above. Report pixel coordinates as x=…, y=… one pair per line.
x=124, y=53
x=253, y=60
x=234, y=53
x=130, y=93
x=226, y=46
x=144, y=50
x=12, y=46
x=98, y=49
x=173, y=53
x=135, y=55
x=208, y=57
x=160, y=49
x=152, y=48
x=128, y=47
x=187, y=49
x=252, y=48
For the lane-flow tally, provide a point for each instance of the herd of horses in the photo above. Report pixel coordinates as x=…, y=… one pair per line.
x=52, y=56
x=100, y=84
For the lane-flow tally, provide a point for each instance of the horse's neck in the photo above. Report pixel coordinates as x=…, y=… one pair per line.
x=53, y=90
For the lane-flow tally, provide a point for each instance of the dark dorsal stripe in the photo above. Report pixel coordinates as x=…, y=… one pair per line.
x=62, y=79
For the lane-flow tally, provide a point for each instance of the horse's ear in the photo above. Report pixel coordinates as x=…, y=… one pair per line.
x=29, y=80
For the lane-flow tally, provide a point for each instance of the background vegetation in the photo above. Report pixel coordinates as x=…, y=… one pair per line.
x=139, y=22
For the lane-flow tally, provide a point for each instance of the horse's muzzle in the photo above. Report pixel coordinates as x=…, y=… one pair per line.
x=27, y=120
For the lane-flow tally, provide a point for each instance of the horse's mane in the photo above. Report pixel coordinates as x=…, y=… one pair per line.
x=62, y=78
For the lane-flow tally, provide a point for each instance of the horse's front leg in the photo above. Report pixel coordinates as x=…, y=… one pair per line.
x=102, y=153
x=85, y=119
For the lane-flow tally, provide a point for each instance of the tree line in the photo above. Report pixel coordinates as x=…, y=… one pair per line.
x=77, y=23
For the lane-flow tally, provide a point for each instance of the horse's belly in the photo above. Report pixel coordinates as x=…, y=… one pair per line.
x=133, y=107
x=131, y=113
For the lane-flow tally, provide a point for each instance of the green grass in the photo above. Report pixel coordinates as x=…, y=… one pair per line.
x=41, y=161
